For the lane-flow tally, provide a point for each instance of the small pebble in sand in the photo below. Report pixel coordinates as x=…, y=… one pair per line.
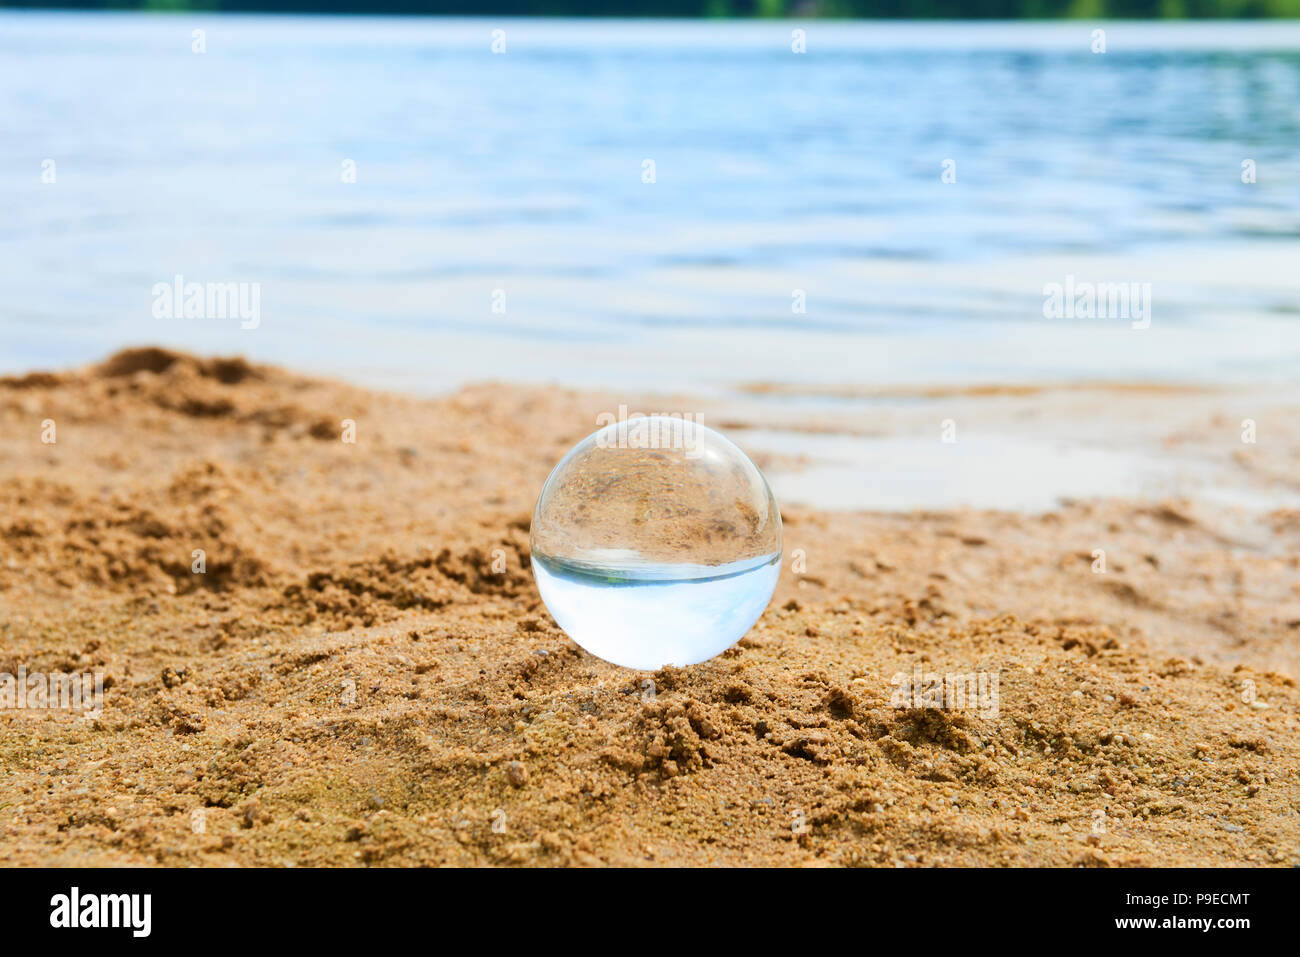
x=517, y=774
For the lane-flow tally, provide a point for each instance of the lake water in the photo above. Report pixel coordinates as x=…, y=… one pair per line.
x=500, y=225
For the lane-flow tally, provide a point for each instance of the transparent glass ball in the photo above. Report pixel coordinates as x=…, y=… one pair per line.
x=656, y=541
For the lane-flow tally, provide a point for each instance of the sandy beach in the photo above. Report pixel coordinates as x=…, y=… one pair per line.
x=363, y=673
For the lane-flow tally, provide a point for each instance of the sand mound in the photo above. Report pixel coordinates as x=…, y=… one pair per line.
x=362, y=673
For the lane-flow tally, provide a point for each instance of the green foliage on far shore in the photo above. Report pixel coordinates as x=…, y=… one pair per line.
x=848, y=9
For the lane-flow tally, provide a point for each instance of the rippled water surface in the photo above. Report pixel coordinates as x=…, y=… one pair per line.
x=515, y=181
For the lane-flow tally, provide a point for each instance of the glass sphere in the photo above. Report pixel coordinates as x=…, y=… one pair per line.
x=656, y=541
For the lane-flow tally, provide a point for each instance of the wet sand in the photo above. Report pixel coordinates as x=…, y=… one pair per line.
x=363, y=672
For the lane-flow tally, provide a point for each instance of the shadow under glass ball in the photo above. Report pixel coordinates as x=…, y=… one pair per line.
x=656, y=541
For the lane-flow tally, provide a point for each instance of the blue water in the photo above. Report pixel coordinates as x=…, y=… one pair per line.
x=515, y=180
x=655, y=615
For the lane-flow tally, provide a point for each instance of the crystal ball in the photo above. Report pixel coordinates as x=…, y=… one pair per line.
x=656, y=541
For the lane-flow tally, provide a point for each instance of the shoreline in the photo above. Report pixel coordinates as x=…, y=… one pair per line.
x=1014, y=446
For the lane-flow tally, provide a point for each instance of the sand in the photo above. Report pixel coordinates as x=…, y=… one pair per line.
x=364, y=674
